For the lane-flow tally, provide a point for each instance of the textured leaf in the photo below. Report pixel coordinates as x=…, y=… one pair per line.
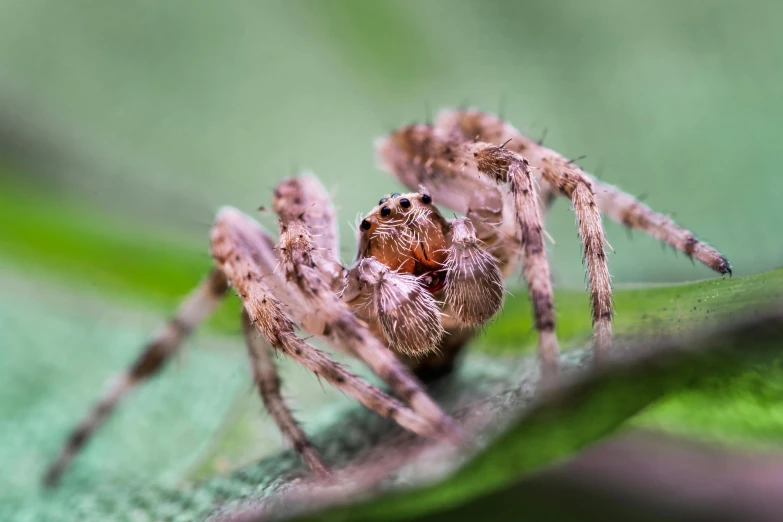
x=136, y=463
x=586, y=409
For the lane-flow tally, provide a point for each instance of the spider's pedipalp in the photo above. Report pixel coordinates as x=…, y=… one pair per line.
x=193, y=310
x=474, y=284
x=407, y=311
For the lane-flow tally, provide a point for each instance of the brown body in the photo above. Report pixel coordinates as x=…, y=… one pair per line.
x=407, y=234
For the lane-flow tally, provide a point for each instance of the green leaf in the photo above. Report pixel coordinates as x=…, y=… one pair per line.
x=160, y=436
x=586, y=409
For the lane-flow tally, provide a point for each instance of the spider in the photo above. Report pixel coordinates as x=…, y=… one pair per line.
x=421, y=284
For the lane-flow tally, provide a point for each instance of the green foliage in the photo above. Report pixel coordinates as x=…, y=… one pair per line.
x=137, y=461
x=586, y=409
x=169, y=110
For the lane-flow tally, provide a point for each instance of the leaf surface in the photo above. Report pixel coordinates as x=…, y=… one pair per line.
x=190, y=423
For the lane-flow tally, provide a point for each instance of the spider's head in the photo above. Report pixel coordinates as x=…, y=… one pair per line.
x=406, y=233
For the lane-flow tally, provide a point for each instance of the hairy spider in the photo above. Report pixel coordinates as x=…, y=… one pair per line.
x=421, y=284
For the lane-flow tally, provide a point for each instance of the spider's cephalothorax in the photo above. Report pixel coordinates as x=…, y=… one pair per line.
x=421, y=284
x=407, y=234
x=423, y=276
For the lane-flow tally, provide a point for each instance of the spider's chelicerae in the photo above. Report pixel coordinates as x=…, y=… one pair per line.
x=421, y=284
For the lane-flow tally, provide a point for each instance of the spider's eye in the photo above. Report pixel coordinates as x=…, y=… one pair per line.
x=395, y=195
x=426, y=199
x=382, y=201
x=365, y=225
x=385, y=211
x=405, y=203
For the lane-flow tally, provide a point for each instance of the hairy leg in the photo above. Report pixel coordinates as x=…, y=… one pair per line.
x=632, y=213
x=267, y=380
x=196, y=307
x=465, y=176
x=620, y=206
x=572, y=184
x=233, y=250
x=304, y=198
x=559, y=176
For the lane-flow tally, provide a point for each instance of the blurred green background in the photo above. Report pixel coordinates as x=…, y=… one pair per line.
x=125, y=126
x=152, y=114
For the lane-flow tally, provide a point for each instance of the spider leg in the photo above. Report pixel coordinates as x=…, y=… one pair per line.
x=304, y=198
x=631, y=212
x=615, y=203
x=569, y=182
x=196, y=307
x=303, y=264
x=235, y=242
x=562, y=177
x=466, y=176
x=267, y=380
